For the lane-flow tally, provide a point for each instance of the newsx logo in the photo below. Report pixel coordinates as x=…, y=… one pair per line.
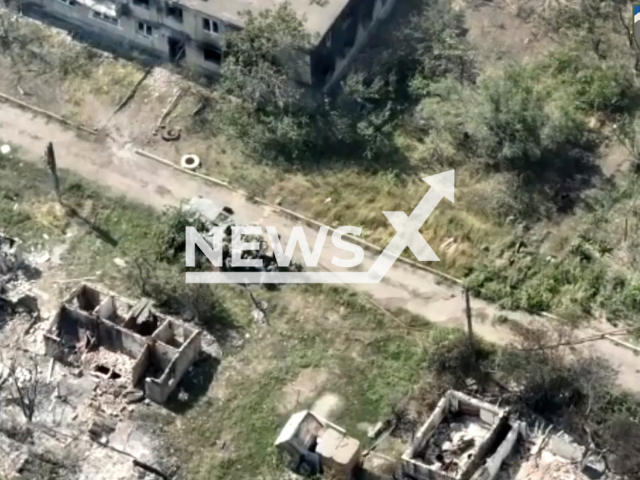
x=407, y=235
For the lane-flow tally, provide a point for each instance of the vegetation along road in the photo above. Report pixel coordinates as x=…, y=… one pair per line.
x=111, y=161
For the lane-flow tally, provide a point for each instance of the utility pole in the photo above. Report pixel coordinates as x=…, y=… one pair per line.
x=469, y=319
x=50, y=162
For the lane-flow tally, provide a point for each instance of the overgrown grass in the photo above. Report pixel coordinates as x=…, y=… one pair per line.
x=59, y=73
x=372, y=365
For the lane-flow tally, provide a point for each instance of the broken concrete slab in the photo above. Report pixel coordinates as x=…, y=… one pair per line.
x=565, y=447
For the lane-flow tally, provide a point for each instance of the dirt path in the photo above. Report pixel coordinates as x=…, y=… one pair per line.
x=112, y=161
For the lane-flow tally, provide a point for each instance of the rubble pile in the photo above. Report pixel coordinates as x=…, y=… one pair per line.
x=16, y=285
x=453, y=444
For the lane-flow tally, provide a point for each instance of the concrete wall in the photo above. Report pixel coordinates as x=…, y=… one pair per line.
x=141, y=365
x=188, y=354
x=427, y=430
x=480, y=453
x=159, y=389
x=117, y=339
x=491, y=467
x=163, y=354
x=164, y=333
x=88, y=298
x=107, y=309
x=171, y=332
x=66, y=320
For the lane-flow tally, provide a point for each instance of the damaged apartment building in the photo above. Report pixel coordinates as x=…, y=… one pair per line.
x=192, y=31
x=98, y=331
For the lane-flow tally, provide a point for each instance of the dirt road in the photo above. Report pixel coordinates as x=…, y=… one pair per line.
x=111, y=161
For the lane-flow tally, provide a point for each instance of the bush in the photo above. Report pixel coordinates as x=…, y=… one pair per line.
x=170, y=235
x=452, y=360
x=594, y=84
x=517, y=125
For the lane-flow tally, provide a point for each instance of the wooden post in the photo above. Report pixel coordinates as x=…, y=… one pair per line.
x=50, y=162
x=469, y=319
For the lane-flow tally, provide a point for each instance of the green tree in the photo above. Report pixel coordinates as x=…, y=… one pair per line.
x=273, y=117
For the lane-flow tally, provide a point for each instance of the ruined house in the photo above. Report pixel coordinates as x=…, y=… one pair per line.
x=314, y=445
x=192, y=31
x=462, y=435
x=120, y=339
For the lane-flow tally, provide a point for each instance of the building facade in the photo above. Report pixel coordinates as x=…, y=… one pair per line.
x=191, y=32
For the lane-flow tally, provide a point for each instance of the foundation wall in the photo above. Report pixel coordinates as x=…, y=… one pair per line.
x=164, y=333
x=163, y=354
x=187, y=354
x=427, y=430
x=141, y=365
x=490, y=469
x=112, y=337
x=482, y=450
x=158, y=390
x=108, y=309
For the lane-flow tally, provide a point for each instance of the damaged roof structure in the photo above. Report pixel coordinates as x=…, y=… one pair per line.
x=118, y=338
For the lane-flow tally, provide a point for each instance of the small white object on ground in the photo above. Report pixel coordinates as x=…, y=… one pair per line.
x=5, y=149
x=119, y=262
x=190, y=162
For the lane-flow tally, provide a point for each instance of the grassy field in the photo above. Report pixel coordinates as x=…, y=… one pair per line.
x=44, y=66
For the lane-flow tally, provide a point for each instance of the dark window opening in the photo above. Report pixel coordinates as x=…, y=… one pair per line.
x=210, y=26
x=141, y=3
x=145, y=29
x=176, y=49
x=175, y=13
x=105, y=17
x=212, y=55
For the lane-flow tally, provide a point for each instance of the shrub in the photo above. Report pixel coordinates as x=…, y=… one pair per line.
x=170, y=234
x=517, y=125
x=594, y=84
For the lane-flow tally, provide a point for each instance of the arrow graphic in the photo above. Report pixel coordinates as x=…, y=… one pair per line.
x=407, y=228
x=407, y=235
